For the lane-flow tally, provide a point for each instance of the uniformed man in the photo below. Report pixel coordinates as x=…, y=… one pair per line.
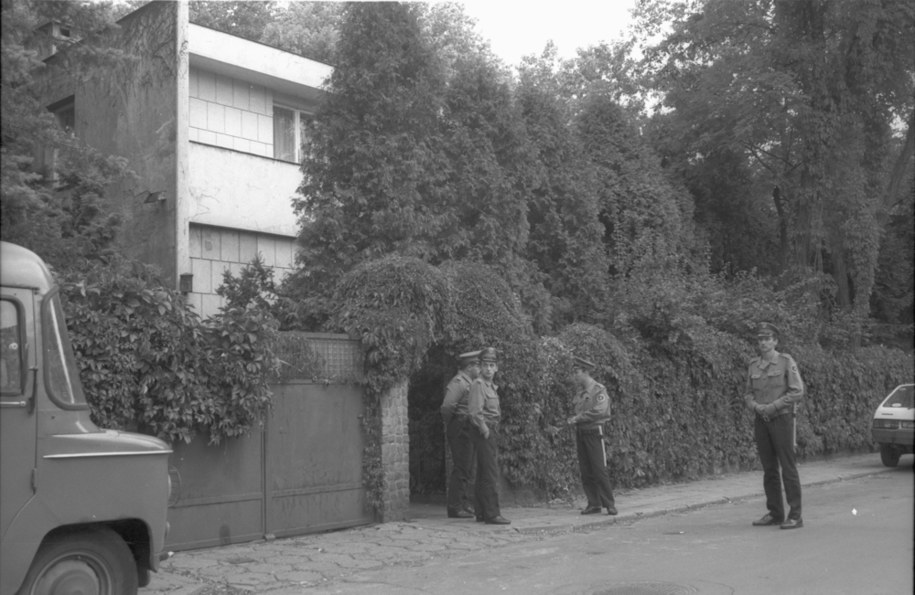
x=485, y=415
x=457, y=430
x=592, y=409
x=774, y=386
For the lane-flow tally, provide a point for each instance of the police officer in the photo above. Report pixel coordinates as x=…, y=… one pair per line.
x=457, y=430
x=485, y=415
x=592, y=409
x=774, y=385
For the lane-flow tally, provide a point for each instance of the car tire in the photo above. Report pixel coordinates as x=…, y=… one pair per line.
x=89, y=561
x=889, y=455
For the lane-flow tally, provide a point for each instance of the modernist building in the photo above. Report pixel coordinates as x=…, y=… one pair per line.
x=211, y=124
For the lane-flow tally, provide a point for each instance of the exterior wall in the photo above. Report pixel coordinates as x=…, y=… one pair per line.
x=237, y=200
x=239, y=190
x=131, y=112
x=230, y=113
x=214, y=250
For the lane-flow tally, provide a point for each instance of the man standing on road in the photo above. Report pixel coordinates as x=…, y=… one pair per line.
x=485, y=415
x=774, y=385
x=592, y=409
x=457, y=430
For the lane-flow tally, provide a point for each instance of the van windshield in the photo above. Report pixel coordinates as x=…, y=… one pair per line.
x=61, y=373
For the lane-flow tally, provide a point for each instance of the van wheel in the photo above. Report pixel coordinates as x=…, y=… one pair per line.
x=94, y=561
x=889, y=455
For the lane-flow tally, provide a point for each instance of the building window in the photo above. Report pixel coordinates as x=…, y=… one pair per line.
x=288, y=133
x=65, y=112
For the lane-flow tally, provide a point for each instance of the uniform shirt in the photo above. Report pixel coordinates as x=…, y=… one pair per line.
x=592, y=407
x=483, y=404
x=456, y=393
x=777, y=382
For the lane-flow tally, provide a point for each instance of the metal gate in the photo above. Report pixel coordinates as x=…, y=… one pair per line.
x=301, y=473
x=314, y=459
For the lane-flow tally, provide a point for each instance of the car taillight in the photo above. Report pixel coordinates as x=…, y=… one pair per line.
x=907, y=425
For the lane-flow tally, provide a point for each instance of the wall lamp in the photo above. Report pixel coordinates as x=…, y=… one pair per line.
x=154, y=197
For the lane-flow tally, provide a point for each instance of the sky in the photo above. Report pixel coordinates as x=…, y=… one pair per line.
x=516, y=28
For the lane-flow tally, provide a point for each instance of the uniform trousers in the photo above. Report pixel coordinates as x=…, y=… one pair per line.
x=775, y=444
x=486, y=490
x=592, y=463
x=459, y=441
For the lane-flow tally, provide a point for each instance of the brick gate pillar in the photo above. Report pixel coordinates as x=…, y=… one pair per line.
x=395, y=452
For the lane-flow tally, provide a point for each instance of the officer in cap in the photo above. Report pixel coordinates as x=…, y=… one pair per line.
x=457, y=430
x=774, y=386
x=592, y=409
x=485, y=415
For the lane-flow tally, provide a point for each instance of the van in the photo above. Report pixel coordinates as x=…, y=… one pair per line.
x=82, y=509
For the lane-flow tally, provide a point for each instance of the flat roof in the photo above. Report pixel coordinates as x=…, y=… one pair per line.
x=251, y=61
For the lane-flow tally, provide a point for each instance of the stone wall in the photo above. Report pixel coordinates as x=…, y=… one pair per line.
x=395, y=453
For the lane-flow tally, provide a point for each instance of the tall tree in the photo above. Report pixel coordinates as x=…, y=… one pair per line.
x=647, y=219
x=239, y=18
x=805, y=92
x=367, y=187
x=566, y=232
x=310, y=29
x=51, y=182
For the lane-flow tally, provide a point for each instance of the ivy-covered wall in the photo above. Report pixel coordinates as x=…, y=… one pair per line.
x=677, y=403
x=676, y=396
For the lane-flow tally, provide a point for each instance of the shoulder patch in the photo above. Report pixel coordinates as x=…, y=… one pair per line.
x=601, y=397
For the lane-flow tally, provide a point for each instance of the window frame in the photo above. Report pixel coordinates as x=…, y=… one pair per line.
x=61, y=373
x=299, y=118
x=16, y=390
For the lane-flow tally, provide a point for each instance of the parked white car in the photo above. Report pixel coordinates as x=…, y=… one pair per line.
x=893, y=427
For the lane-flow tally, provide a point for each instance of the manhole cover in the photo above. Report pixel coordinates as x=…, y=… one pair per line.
x=644, y=589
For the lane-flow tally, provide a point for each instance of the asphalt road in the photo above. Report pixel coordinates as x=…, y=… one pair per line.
x=857, y=540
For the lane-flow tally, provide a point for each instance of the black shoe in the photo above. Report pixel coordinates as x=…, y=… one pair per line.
x=459, y=514
x=611, y=510
x=767, y=521
x=469, y=510
x=591, y=510
x=792, y=524
x=479, y=519
x=497, y=520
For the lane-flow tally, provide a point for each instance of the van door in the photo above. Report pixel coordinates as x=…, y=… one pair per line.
x=18, y=421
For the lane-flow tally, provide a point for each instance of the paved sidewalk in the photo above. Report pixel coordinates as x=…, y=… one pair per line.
x=298, y=564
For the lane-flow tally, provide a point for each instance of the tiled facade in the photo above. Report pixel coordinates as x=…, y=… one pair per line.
x=214, y=250
x=230, y=113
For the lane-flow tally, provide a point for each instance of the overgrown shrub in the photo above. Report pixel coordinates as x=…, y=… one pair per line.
x=148, y=363
x=674, y=364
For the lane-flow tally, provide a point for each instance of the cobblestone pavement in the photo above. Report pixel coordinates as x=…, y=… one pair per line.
x=315, y=562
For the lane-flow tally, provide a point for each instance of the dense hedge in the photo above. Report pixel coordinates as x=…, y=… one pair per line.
x=673, y=362
x=674, y=368
x=149, y=364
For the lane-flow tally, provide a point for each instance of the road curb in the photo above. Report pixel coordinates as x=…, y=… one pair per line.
x=638, y=515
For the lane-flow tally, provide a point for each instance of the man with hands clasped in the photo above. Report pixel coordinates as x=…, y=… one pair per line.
x=774, y=386
x=592, y=409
